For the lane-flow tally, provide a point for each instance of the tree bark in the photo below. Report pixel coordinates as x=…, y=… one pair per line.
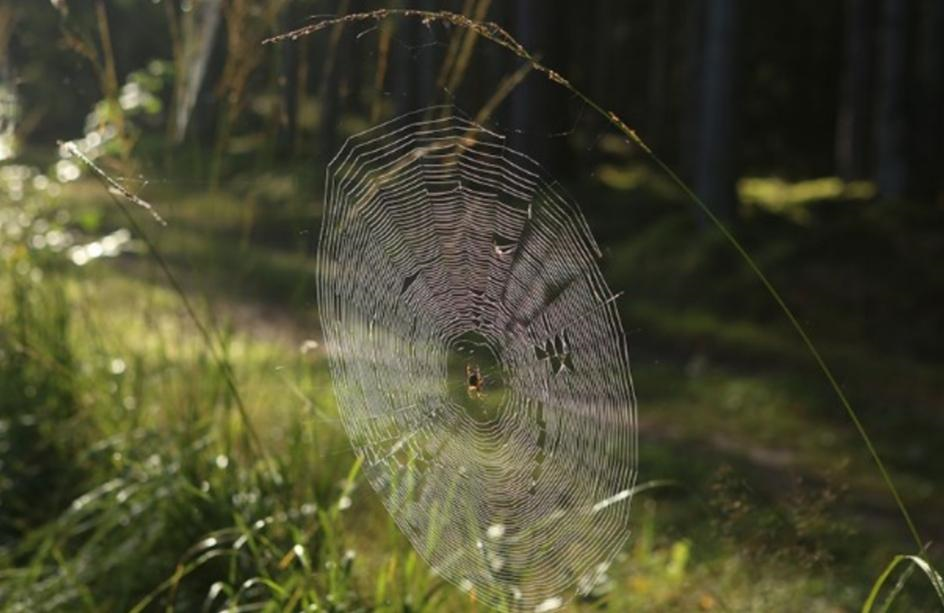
x=892, y=173
x=852, y=123
x=715, y=167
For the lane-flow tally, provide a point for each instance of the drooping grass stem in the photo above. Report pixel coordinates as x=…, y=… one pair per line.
x=209, y=337
x=496, y=34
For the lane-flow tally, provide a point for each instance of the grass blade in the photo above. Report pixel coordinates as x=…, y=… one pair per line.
x=495, y=33
x=933, y=576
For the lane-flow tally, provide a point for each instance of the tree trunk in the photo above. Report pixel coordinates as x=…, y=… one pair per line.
x=288, y=84
x=690, y=86
x=715, y=171
x=892, y=174
x=526, y=115
x=414, y=52
x=336, y=64
x=930, y=130
x=658, y=74
x=602, y=42
x=199, y=40
x=852, y=124
x=9, y=105
x=538, y=107
x=405, y=68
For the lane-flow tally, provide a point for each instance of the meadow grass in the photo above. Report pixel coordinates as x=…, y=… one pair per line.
x=131, y=482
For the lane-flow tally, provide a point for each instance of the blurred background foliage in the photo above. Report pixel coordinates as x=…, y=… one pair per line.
x=168, y=437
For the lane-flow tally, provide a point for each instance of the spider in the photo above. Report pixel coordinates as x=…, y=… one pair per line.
x=476, y=381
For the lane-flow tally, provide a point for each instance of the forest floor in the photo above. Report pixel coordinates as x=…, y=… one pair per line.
x=769, y=498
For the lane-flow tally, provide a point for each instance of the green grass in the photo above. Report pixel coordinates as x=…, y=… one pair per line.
x=130, y=479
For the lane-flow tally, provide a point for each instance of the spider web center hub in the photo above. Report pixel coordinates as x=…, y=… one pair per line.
x=474, y=379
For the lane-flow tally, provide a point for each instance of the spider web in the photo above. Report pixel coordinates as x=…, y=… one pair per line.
x=478, y=359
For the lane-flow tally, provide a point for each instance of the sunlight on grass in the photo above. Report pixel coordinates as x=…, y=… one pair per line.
x=794, y=198
x=120, y=400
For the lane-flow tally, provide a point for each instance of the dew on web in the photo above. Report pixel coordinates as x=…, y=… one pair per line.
x=478, y=359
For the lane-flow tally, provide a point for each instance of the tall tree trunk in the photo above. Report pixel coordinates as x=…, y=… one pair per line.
x=288, y=84
x=690, y=86
x=199, y=33
x=8, y=103
x=538, y=107
x=603, y=47
x=715, y=170
x=405, y=76
x=336, y=63
x=415, y=54
x=354, y=78
x=658, y=74
x=892, y=174
x=930, y=129
x=526, y=114
x=852, y=123
x=429, y=60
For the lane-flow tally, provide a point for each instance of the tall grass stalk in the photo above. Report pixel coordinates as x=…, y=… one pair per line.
x=495, y=33
x=210, y=336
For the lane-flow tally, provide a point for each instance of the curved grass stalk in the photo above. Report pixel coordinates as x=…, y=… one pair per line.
x=496, y=34
x=210, y=335
x=933, y=576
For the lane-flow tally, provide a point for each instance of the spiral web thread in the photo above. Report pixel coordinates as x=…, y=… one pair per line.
x=478, y=358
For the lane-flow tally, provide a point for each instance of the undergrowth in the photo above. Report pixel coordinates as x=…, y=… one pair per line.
x=155, y=455
x=131, y=483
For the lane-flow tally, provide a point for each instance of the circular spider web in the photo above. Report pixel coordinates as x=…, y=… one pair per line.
x=478, y=358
